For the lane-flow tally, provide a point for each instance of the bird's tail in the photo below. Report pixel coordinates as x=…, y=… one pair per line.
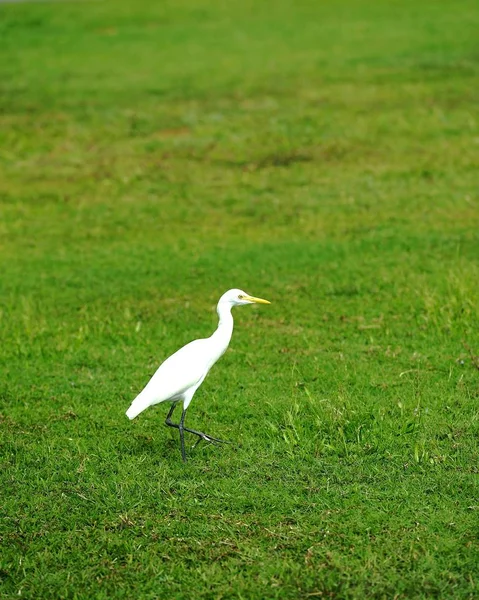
x=138, y=405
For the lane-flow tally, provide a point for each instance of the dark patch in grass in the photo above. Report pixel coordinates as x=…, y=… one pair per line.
x=270, y=161
x=325, y=153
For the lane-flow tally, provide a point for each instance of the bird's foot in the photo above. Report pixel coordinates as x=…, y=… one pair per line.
x=207, y=438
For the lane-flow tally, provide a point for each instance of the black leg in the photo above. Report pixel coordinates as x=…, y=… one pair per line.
x=179, y=426
x=168, y=417
x=182, y=435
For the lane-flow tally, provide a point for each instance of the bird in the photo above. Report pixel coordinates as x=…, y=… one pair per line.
x=179, y=376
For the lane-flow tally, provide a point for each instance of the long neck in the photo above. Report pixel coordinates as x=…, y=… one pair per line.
x=222, y=335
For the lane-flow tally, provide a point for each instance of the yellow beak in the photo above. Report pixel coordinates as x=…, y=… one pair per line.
x=256, y=300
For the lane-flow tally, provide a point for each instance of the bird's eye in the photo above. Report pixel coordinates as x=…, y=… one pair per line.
x=240, y=296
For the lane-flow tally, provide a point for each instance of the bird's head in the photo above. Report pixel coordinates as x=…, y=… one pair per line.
x=237, y=297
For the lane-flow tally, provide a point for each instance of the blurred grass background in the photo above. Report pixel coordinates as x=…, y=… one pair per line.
x=321, y=155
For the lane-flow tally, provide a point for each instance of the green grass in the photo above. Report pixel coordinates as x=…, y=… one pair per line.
x=321, y=155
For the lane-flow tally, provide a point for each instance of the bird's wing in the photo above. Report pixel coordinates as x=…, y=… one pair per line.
x=181, y=371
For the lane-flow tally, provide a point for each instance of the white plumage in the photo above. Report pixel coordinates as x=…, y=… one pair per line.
x=178, y=378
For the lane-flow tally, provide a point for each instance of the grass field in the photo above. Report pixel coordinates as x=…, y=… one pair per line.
x=323, y=155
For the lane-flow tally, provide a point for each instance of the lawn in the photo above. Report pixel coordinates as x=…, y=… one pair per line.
x=322, y=155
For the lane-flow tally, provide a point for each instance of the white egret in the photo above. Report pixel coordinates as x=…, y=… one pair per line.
x=178, y=378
